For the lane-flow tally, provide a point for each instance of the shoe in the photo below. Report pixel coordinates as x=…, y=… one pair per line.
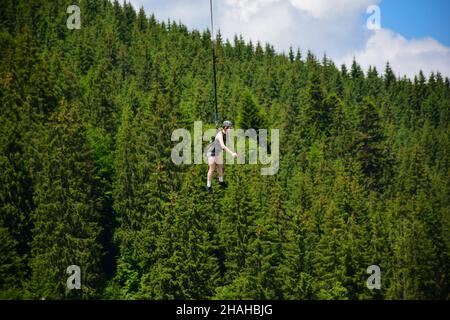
x=209, y=189
x=223, y=184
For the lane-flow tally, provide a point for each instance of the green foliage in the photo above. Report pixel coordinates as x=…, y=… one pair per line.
x=249, y=116
x=66, y=218
x=86, y=176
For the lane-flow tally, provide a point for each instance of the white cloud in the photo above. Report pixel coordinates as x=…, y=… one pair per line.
x=245, y=9
x=337, y=28
x=336, y=8
x=193, y=13
x=406, y=57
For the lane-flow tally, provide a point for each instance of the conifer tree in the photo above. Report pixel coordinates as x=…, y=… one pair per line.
x=66, y=218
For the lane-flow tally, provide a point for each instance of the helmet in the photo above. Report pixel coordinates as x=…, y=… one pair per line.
x=227, y=124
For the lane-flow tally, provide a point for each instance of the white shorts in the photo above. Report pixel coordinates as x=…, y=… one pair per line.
x=217, y=158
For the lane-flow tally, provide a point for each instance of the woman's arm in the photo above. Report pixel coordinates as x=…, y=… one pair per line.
x=222, y=144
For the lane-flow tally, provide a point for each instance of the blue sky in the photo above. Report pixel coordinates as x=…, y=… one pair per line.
x=418, y=18
x=414, y=34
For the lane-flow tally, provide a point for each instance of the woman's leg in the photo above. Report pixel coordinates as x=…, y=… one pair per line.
x=219, y=161
x=220, y=172
x=211, y=163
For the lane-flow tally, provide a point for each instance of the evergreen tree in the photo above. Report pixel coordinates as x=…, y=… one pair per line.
x=86, y=176
x=249, y=117
x=66, y=218
x=367, y=142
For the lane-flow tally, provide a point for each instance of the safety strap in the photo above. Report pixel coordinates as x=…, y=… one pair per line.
x=214, y=64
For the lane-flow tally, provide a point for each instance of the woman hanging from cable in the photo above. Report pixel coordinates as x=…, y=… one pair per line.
x=215, y=156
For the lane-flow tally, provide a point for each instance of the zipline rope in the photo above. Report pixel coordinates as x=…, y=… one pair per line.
x=214, y=64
